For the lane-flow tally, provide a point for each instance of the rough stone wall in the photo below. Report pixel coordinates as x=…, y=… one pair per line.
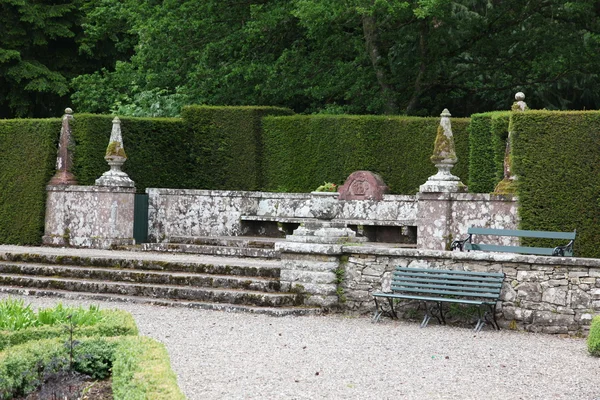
x=177, y=212
x=89, y=216
x=540, y=294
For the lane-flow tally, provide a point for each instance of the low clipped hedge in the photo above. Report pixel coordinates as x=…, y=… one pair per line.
x=556, y=157
x=113, y=323
x=593, y=340
x=301, y=152
x=141, y=370
x=27, y=161
x=140, y=366
x=487, y=143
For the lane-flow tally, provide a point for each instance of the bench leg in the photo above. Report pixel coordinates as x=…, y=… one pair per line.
x=436, y=312
x=379, y=311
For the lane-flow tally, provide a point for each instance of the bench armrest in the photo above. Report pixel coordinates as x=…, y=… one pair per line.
x=566, y=250
x=460, y=244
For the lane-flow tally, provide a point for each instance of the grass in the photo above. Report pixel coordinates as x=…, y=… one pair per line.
x=16, y=315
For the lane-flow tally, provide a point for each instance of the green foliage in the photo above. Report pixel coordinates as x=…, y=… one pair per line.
x=141, y=371
x=327, y=187
x=109, y=323
x=556, y=157
x=225, y=146
x=94, y=357
x=27, y=163
x=487, y=141
x=593, y=340
x=303, y=151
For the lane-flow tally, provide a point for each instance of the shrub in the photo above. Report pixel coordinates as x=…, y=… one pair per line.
x=300, y=152
x=593, y=340
x=556, y=157
x=27, y=163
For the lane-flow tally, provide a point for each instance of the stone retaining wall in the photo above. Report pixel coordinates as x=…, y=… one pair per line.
x=540, y=294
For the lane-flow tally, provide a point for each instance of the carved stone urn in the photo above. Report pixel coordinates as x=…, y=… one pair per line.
x=324, y=205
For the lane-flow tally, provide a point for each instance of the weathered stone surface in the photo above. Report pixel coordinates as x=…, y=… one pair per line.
x=64, y=159
x=89, y=216
x=363, y=185
x=545, y=318
x=555, y=295
x=580, y=299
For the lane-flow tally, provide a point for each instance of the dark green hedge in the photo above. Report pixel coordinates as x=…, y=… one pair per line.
x=302, y=152
x=556, y=156
x=225, y=146
x=155, y=147
x=27, y=161
x=487, y=142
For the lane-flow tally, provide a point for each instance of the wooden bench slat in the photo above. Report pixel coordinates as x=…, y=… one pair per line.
x=425, y=298
x=523, y=233
x=450, y=272
x=401, y=285
x=449, y=293
x=540, y=251
x=479, y=278
x=489, y=284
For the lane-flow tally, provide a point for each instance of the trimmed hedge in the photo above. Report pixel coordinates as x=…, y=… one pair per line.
x=113, y=323
x=26, y=165
x=225, y=146
x=302, y=152
x=141, y=371
x=556, y=157
x=593, y=340
x=487, y=143
x=140, y=366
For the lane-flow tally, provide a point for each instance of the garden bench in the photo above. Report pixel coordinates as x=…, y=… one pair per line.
x=563, y=251
x=481, y=289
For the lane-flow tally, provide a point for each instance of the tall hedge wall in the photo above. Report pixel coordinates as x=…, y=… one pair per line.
x=487, y=143
x=556, y=156
x=302, y=152
x=27, y=160
x=225, y=146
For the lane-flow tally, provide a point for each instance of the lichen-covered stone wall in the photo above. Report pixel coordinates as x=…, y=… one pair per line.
x=540, y=294
x=89, y=216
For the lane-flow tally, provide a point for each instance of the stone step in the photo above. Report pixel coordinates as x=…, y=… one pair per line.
x=214, y=250
x=227, y=241
x=149, y=262
x=272, y=311
x=142, y=276
x=170, y=292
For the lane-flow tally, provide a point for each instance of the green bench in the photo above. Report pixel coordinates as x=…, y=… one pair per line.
x=437, y=286
x=562, y=251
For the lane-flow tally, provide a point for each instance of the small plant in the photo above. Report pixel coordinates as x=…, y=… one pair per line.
x=593, y=340
x=327, y=187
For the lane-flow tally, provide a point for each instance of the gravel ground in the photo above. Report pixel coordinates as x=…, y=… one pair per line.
x=218, y=355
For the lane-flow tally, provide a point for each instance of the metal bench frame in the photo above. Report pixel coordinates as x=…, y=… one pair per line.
x=481, y=289
x=561, y=251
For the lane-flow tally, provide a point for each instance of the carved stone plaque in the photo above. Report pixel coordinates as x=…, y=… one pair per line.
x=363, y=185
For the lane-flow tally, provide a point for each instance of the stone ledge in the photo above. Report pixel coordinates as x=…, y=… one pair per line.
x=89, y=189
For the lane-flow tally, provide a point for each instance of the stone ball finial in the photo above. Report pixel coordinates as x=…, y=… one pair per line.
x=520, y=96
x=68, y=110
x=445, y=113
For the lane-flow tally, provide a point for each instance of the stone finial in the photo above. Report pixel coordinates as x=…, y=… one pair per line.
x=64, y=158
x=115, y=157
x=444, y=158
x=519, y=104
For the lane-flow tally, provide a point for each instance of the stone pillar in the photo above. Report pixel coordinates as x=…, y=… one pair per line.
x=507, y=185
x=64, y=158
x=311, y=256
x=89, y=216
x=434, y=215
x=94, y=216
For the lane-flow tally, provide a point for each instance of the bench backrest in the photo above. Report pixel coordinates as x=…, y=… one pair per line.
x=438, y=282
x=545, y=251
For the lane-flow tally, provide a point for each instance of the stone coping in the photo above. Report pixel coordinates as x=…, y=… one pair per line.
x=299, y=220
x=90, y=189
x=466, y=197
x=260, y=195
x=473, y=256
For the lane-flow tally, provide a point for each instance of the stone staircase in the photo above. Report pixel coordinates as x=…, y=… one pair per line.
x=231, y=246
x=225, y=283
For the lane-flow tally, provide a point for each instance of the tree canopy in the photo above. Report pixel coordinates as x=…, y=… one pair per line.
x=150, y=57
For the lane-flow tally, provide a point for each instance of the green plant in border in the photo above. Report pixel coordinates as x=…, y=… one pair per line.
x=593, y=340
x=327, y=187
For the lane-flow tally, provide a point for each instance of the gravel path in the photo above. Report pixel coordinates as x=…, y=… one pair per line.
x=218, y=355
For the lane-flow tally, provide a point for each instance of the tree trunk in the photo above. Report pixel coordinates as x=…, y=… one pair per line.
x=370, y=32
x=414, y=99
